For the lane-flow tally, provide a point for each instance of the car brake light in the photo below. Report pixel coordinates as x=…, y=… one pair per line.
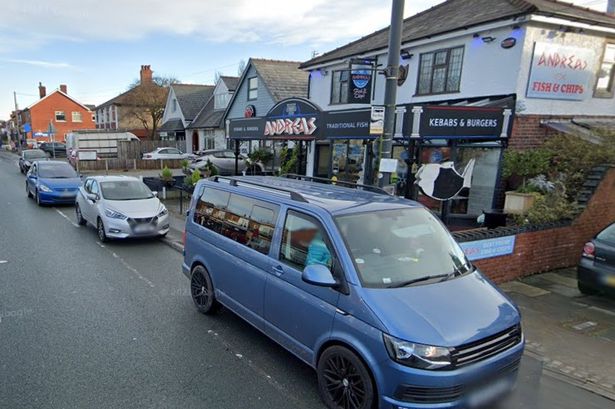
x=589, y=250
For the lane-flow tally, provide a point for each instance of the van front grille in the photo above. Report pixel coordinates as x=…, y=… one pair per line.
x=485, y=348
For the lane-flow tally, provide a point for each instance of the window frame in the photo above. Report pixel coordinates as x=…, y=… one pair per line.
x=435, y=66
x=250, y=89
x=79, y=114
x=62, y=114
x=343, y=97
x=608, y=92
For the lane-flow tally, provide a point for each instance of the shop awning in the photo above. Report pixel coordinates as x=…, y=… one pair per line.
x=588, y=129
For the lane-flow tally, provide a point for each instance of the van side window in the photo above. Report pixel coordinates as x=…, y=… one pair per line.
x=245, y=220
x=305, y=242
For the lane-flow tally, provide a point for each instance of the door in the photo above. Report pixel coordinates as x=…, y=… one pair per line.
x=31, y=179
x=234, y=235
x=173, y=153
x=605, y=247
x=297, y=314
x=89, y=211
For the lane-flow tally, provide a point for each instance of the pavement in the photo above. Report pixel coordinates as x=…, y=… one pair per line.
x=90, y=325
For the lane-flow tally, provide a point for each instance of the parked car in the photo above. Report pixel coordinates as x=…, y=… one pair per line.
x=224, y=162
x=369, y=289
x=51, y=182
x=28, y=156
x=168, y=153
x=121, y=207
x=596, y=270
x=54, y=149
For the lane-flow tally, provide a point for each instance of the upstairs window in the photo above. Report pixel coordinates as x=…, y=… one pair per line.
x=174, y=105
x=606, y=75
x=221, y=100
x=252, y=88
x=76, y=116
x=440, y=71
x=60, y=116
x=339, y=87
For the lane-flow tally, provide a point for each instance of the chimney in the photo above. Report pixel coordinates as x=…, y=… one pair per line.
x=63, y=88
x=146, y=74
x=42, y=91
x=610, y=8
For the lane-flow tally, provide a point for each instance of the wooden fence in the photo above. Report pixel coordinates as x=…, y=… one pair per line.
x=136, y=148
x=127, y=164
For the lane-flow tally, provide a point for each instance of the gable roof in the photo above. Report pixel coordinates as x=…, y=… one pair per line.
x=191, y=98
x=208, y=117
x=459, y=14
x=57, y=91
x=230, y=82
x=283, y=79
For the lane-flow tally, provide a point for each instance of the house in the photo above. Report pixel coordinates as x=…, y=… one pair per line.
x=183, y=104
x=263, y=85
x=138, y=110
x=207, y=130
x=477, y=76
x=54, y=115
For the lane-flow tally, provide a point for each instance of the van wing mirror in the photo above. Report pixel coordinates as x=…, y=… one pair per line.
x=319, y=275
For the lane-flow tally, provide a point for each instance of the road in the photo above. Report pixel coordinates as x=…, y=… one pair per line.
x=87, y=325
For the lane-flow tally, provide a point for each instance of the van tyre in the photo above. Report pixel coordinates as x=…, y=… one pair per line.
x=100, y=231
x=344, y=382
x=202, y=291
x=80, y=220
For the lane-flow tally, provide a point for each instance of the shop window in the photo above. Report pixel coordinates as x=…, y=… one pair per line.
x=244, y=220
x=606, y=75
x=305, y=242
x=440, y=71
x=339, y=87
x=76, y=116
x=252, y=88
x=60, y=116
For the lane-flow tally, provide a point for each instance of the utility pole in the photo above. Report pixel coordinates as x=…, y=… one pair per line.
x=17, y=117
x=390, y=93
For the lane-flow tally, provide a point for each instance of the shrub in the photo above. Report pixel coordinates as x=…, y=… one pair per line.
x=262, y=155
x=526, y=164
x=185, y=164
x=548, y=208
x=195, y=177
x=289, y=159
x=166, y=174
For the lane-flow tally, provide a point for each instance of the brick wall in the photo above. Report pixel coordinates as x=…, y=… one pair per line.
x=546, y=250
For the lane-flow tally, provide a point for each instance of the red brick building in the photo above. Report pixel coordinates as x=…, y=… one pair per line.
x=56, y=111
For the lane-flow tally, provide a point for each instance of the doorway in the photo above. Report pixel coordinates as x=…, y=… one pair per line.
x=195, y=141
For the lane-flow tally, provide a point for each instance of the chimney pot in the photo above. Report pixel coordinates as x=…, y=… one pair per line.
x=146, y=74
x=63, y=88
x=42, y=90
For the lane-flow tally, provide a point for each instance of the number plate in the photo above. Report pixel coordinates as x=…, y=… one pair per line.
x=143, y=228
x=489, y=393
x=610, y=281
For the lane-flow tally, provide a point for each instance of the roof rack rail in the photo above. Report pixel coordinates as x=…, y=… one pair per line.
x=368, y=188
x=235, y=182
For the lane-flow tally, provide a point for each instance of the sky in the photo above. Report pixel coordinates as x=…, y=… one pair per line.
x=97, y=47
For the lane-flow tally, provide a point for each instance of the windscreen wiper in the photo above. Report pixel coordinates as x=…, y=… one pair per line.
x=419, y=280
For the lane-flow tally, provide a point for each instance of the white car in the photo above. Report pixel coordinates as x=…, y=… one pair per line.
x=121, y=207
x=167, y=153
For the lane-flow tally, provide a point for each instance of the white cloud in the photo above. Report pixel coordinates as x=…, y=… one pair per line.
x=269, y=21
x=40, y=63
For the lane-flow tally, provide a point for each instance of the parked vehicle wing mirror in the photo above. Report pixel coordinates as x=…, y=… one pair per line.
x=155, y=193
x=92, y=196
x=317, y=274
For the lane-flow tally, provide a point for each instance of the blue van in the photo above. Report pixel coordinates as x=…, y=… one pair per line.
x=370, y=290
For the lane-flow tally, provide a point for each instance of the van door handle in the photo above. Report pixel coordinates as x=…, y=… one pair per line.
x=277, y=270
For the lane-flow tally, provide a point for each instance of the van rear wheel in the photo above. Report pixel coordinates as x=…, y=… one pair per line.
x=344, y=382
x=202, y=291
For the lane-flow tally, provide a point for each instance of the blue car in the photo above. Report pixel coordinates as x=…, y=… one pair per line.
x=52, y=182
x=370, y=290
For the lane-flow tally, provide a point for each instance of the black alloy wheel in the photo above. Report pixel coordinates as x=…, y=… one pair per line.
x=202, y=291
x=344, y=381
x=100, y=230
x=80, y=220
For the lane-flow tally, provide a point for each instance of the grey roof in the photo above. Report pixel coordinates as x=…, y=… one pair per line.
x=171, y=125
x=191, y=98
x=208, y=117
x=230, y=82
x=459, y=14
x=283, y=79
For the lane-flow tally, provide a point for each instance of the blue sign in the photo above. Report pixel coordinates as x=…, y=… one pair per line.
x=27, y=127
x=489, y=248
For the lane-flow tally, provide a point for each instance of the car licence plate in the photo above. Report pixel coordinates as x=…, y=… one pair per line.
x=143, y=228
x=610, y=281
x=490, y=392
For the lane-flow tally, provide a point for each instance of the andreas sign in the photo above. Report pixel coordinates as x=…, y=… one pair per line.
x=291, y=127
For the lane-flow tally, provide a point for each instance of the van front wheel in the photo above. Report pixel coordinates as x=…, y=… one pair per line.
x=202, y=291
x=344, y=381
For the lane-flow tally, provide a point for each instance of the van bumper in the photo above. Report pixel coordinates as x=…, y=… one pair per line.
x=476, y=385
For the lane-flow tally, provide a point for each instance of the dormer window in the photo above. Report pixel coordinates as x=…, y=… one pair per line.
x=221, y=100
x=174, y=105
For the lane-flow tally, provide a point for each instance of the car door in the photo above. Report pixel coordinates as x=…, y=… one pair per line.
x=85, y=203
x=32, y=178
x=605, y=247
x=297, y=314
x=173, y=153
x=91, y=213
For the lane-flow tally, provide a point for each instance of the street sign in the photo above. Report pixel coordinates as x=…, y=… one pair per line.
x=376, y=125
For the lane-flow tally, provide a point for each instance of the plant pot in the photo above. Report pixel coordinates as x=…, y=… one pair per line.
x=168, y=182
x=518, y=203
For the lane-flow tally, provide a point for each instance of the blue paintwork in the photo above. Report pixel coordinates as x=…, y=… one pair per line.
x=305, y=318
x=63, y=190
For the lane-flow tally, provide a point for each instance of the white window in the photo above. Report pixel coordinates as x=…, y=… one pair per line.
x=221, y=100
x=93, y=117
x=606, y=75
x=252, y=88
x=174, y=105
x=440, y=71
x=60, y=116
x=339, y=87
x=76, y=116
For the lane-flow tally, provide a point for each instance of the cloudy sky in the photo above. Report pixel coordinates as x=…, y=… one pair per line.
x=97, y=47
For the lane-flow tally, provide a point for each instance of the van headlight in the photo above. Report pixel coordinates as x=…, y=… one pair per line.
x=417, y=355
x=114, y=215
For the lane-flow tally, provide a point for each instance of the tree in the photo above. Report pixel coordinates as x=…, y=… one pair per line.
x=145, y=103
x=241, y=67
